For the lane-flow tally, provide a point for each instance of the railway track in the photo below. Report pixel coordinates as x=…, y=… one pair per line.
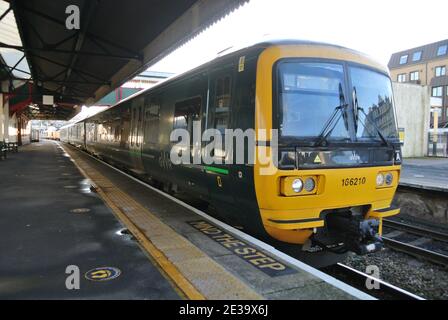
x=414, y=248
x=358, y=279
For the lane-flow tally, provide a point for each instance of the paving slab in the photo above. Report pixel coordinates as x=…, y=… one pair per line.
x=425, y=173
x=43, y=232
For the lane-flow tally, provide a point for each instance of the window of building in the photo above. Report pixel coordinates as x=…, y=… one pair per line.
x=401, y=77
x=437, y=91
x=440, y=71
x=442, y=50
x=417, y=56
x=404, y=59
x=414, y=76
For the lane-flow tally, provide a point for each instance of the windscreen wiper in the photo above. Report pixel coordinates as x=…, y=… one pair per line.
x=356, y=115
x=331, y=123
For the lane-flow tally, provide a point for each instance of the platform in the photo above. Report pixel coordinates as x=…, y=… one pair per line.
x=425, y=173
x=52, y=218
x=45, y=229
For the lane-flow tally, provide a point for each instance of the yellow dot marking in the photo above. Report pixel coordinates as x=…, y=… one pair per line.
x=100, y=274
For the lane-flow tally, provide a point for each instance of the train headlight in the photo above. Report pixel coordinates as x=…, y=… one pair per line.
x=297, y=185
x=379, y=179
x=310, y=184
x=389, y=178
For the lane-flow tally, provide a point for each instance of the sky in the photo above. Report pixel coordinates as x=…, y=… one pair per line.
x=375, y=27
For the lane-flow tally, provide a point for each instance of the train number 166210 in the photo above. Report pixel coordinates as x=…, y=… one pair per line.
x=350, y=182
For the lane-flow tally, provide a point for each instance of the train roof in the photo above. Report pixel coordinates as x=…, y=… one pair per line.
x=228, y=53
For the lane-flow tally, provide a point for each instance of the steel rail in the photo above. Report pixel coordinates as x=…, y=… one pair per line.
x=416, y=251
x=386, y=290
x=417, y=230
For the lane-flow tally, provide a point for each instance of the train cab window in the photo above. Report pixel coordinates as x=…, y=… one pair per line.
x=308, y=94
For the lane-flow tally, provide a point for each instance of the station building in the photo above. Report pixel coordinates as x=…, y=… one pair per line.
x=427, y=66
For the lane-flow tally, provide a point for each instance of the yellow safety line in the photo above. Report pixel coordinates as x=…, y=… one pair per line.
x=170, y=269
x=184, y=285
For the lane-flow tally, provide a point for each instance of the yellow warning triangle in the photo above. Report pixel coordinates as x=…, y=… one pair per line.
x=317, y=160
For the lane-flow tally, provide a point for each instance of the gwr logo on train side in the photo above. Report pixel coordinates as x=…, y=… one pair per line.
x=255, y=257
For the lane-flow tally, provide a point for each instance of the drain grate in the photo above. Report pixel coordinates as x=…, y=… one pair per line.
x=80, y=210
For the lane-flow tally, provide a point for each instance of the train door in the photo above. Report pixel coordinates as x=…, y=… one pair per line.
x=151, y=151
x=219, y=113
x=84, y=135
x=136, y=135
x=187, y=119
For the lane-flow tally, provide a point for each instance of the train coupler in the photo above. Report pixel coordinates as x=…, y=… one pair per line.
x=358, y=234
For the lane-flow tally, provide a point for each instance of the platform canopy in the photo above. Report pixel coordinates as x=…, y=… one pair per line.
x=116, y=40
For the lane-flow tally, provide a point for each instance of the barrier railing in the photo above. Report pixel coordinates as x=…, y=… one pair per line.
x=439, y=148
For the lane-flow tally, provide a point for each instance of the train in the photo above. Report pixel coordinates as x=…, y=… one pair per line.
x=53, y=134
x=318, y=173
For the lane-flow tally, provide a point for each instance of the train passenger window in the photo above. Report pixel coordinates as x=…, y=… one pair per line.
x=185, y=112
x=117, y=135
x=132, y=126
x=138, y=130
x=223, y=92
x=221, y=107
x=95, y=132
x=111, y=135
x=135, y=125
x=152, y=115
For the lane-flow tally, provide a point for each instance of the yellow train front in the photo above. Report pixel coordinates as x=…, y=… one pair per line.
x=331, y=178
